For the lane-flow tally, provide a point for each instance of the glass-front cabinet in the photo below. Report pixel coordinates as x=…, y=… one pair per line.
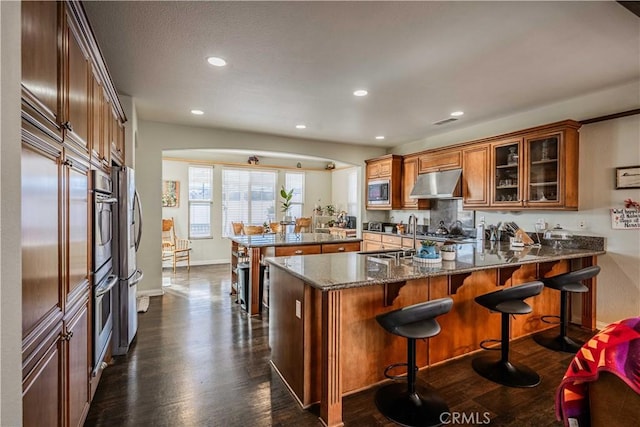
x=507, y=174
x=542, y=170
x=537, y=169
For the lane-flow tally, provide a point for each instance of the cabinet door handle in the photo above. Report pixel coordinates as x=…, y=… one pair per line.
x=340, y=249
x=68, y=162
x=67, y=125
x=67, y=336
x=298, y=252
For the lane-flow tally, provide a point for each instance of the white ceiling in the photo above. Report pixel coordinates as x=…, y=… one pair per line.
x=299, y=62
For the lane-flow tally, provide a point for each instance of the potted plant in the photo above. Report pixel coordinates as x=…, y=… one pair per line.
x=448, y=252
x=330, y=210
x=428, y=249
x=286, y=202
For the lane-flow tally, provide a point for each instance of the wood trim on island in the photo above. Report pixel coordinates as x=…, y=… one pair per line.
x=333, y=346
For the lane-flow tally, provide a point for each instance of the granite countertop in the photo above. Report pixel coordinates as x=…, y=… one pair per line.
x=350, y=270
x=290, y=239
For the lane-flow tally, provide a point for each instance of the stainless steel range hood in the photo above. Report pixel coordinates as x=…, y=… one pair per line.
x=438, y=185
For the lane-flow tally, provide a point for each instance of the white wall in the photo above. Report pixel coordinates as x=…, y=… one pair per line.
x=10, y=261
x=603, y=147
x=155, y=137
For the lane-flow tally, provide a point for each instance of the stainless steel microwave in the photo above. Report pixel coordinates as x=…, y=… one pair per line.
x=378, y=192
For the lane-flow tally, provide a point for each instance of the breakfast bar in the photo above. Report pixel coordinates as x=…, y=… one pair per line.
x=324, y=338
x=256, y=247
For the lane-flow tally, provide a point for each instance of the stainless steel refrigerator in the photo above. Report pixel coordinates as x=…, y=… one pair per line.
x=128, y=231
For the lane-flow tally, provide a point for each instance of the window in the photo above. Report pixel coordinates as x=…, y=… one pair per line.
x=248, y=196
x=295, y=181
x=200, y=185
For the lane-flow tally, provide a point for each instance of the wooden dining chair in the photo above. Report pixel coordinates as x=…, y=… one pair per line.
x=174, y=249
x=303, y=225
x=274, y=227
x=238, y=228
x=253, y=229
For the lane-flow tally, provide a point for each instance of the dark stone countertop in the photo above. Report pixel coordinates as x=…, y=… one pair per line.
x=349, y=270
x=290, y=239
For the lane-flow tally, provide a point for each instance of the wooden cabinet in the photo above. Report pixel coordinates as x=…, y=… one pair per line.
x=380, y=241
x=70, y=110
x=475, y=177
x=78, y=361
x=76, y=84
x=41, y=53
x=409, y=178
x=389, y=168
x=330, y=248
x=117, y=140
x=440, y=160
x=42, y=385
x=537, y=169
x=298, y=250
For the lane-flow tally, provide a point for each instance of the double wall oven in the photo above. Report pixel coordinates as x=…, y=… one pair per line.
x=104, y=279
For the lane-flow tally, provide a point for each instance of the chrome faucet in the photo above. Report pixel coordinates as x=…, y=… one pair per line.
x=413, y=225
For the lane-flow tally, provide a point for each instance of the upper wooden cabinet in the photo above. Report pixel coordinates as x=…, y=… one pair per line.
x=76, y=84
x=41, y=54
x=389, y=168
x=475, y=176
x=62, y=70
x=409, y=177
x=539, y=170
x=440, y=160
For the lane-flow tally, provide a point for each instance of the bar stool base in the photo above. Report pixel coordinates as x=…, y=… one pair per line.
x=558, y=343
x=505, y=373
x=423, y=408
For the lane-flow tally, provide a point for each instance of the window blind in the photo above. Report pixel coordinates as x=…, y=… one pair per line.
x=248, y=196
x=295, y=181
x=200, y=185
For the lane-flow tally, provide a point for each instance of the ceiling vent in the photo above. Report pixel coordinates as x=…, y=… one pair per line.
x=445, y=121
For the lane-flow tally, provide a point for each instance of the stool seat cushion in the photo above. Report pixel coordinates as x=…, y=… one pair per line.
x=570, y=282
x=416, y=321
x=510, y=300
x=514, y=306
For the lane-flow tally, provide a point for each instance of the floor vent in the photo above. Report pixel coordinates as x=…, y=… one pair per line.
x=449, y=120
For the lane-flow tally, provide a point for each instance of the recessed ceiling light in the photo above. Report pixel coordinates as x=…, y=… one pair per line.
x=380, y=137
x=218, y=62
x=360, y=92
x=301, y=126
x=197, y=112
x=457, y=113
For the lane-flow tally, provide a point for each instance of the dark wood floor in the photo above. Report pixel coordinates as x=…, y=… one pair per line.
x=198, y=360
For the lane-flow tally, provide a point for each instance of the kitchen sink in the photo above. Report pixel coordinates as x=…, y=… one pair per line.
x=390, y=253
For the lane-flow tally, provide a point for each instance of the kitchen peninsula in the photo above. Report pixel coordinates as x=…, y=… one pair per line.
x=323, y=335
x=282, y=244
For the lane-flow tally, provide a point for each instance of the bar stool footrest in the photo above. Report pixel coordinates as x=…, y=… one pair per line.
x=546, y=317
x=483, y=344
x=397, y=377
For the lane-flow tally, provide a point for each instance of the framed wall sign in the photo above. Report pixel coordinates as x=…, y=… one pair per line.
x=628, y=177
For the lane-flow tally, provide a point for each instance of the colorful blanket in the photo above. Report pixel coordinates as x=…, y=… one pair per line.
x=615, y=349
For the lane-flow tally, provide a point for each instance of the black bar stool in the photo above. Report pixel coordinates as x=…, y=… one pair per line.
x=566, y=283
x=413, y=404
x=507, y=302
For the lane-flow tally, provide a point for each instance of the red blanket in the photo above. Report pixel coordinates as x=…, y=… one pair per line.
x=615, y=349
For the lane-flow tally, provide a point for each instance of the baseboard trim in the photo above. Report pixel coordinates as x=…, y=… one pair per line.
x=211, y=262
x=151, y=293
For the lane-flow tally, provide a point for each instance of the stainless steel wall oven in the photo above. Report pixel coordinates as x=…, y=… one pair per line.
x=104, y=206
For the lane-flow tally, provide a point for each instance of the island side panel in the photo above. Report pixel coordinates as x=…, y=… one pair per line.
x=331, y=400
x=367, y=348
x=286, y=330
x=254, y=280
x=468, y=322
